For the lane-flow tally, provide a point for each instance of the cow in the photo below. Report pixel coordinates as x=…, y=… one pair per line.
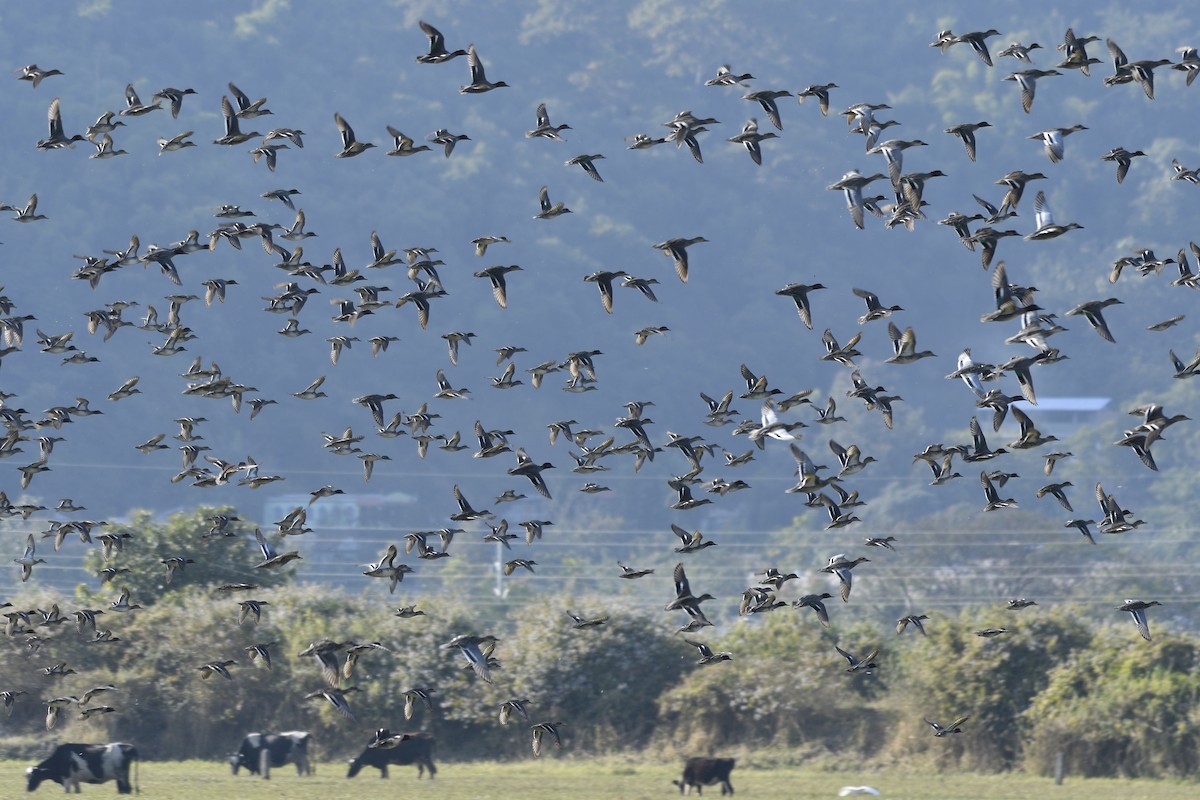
x=73, y=764
x=416, y=749
x=700, y=771
x=261, y=751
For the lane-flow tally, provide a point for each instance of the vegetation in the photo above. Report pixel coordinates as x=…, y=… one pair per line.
x=1112, y=703
x=1117, y=710
x=643, y=778
x=213, y=555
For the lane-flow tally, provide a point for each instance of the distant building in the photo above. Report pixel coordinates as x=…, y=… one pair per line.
x=348, y=530
x=1064, y=416
x=344, y=511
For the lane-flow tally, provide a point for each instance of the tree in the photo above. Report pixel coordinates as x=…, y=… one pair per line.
x=145, y=545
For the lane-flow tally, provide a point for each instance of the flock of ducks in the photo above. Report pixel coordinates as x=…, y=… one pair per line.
x=776, y=423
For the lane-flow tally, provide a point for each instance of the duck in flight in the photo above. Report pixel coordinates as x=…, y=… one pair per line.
x=350, y=146
x=479, y=82
x=437, y=54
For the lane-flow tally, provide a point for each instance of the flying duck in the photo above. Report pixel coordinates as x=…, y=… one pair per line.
x=819, y=91
x=1123, y=158
x=940, y=730
x=549, y=211
x=966, y=132
x=816, y=603
x=841, y=567
x=750, y=139
x=543, y=129
x=1054, y=141
x=403, y=145
x=469, y=646
x=1027, y=79
x=1046, y=227
x=544, y=729
x=727, y=77
x=350, y=146
x=271, y=558
x=448, y=140
x=233, y=133
x=864, y=664
x=916, y=620
x=134, y=107
x=707, y=656
x=1137, y=609
x=588, y=165
x=677, y=249
x=479, y=82
x=437, y=53
x=35, y=75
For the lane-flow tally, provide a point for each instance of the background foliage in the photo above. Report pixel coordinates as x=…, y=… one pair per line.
x=1113, y=704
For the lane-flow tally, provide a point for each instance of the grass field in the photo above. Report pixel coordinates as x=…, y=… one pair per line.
x=557, y=779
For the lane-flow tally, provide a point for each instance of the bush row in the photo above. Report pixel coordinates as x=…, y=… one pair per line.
x=1112, y=703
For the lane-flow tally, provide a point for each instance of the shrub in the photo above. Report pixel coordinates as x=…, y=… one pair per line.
x=1122, y=707
x=786, y=686
x=954, y=673
x=601, y=681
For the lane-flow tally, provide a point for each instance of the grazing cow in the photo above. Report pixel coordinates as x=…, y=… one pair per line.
x=261, y=751
x=699, y=771
x=72, y=764
x=416, y=749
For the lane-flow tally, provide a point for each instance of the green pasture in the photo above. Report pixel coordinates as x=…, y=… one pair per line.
x=591, y=779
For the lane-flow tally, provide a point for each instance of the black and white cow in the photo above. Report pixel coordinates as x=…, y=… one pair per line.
x=416, y=749
x=700, y=771
x=261, y=751
x=73, y=764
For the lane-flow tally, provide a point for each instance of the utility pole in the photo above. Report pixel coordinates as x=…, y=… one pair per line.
x=498, y=565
